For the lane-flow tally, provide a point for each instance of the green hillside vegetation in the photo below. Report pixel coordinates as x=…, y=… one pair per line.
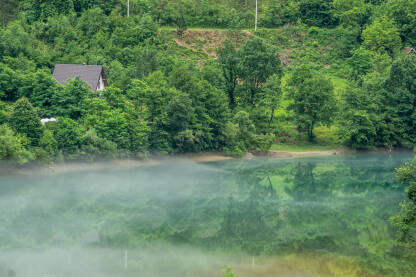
x=405, y=221
x=191, y=76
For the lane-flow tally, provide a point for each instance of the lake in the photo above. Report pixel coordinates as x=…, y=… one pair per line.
x=306, y=217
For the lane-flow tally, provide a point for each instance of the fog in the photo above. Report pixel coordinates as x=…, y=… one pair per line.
x=160, y=261
x=263, y=217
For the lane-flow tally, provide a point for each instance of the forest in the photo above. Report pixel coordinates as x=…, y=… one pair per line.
x=321, y=72
x=195, y=75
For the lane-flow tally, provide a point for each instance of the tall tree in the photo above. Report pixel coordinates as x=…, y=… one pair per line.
x=8, y=10
x=258, y=62
x=406, y=220
x=229, y=59
x=272, y=94
x=13, y=147
x=351, y=13
x=313, y=99
x=68, y=101
x=24, y=120
x=400, y=100
x=316, y=12
x=382, y=35
x=403, y=12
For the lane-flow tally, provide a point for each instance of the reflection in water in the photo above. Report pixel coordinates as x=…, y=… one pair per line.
x=301, y=217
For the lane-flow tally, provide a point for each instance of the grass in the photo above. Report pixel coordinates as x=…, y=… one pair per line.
x=302, y=148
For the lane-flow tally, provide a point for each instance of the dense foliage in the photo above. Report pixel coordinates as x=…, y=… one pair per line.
x=334, y=63
x=406, y=220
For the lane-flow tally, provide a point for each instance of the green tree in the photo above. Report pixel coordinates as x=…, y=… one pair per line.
x=68, y=101
x=115, y=98
x=13, y=147
x=93, y=146
x=179, y=16
x=68, y=135
x=42, y=10
x=43, y=90
x=14, y=83
x=181, y=117
x=8, y=10
x=229, y=60
x=405, y=221
x=152, y=97
x=117, y=75
x=229, y=139
x=361, y=63
x=24, y=120
x=403, y=12
x=313, y=99
x=360, y=118
x=382, y=35
x=400, y=97
x=359, y=130
x=4, y=116
x=351, y=13
x=246, y=130
x=234, y=29
x=258, y=62
x=272, y=94
x=278, y=13
x=316, y=12
x=48, y=146
x=129, y=133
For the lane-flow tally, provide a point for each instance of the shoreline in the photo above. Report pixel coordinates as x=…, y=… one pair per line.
x=203, y=157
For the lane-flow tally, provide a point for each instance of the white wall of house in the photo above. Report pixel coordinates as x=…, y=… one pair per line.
x=100, y=85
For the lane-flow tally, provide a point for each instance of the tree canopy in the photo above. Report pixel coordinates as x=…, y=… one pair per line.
x=189, y=76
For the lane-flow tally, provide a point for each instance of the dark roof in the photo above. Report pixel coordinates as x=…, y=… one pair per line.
x=88, y=73
x=409, y=50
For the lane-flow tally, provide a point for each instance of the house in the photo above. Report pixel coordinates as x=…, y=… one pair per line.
x=93, y=75
x=409, y=50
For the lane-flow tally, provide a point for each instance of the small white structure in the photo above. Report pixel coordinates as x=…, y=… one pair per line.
x=46, y=120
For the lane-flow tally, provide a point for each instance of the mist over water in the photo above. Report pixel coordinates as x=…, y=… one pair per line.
x=307, y=217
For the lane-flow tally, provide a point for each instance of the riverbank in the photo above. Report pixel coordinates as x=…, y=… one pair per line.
x=205, y=157
x=73, y=166
x=291, y=154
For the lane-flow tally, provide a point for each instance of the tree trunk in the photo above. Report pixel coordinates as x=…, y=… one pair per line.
x=271, y=118
x=253, y=94
x=310, y=132
x=231, y=98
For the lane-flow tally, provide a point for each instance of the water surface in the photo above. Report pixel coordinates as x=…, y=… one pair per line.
x=306, y=217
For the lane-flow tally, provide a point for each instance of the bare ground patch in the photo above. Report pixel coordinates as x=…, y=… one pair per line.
x=208, y=41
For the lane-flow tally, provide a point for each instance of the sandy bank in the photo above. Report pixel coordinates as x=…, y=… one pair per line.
x=287, y=154
x=132, y=163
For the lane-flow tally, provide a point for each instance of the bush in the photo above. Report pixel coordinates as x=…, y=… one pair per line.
x=48, y=147
x=13, y=147
x=92, y=146
x=264, y=142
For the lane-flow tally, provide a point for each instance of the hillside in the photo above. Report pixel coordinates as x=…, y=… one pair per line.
x=192, y=76
x=90, y=80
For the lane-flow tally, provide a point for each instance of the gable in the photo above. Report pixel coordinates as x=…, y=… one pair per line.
x=409, y=50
